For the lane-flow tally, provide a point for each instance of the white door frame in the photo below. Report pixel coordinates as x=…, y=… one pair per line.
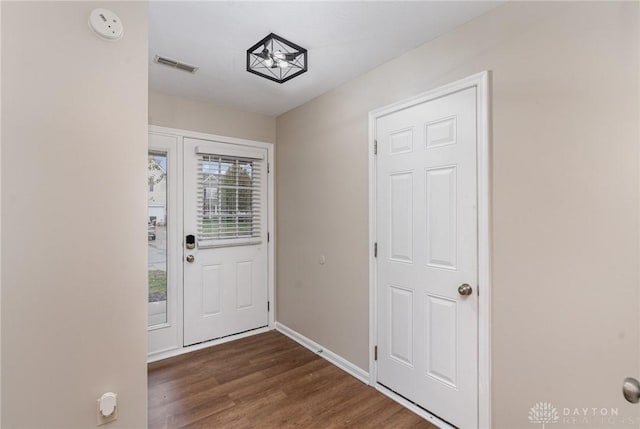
x=481, y=82
x=180, y=135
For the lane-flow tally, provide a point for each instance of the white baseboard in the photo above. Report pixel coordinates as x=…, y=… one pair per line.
x=325, y=353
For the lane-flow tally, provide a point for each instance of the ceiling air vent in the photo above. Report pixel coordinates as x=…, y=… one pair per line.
x=175, y=64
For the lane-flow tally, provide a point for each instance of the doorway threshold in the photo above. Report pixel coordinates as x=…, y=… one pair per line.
x=165, y=354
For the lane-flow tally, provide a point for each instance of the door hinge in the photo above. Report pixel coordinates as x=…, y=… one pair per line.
x=268, y=306
x=268, y=237
x=375, y=250
x=268, y=167
x=375, y=147
x=375, y=353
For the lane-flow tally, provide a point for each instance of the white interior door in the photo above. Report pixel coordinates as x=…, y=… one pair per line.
x=427, y=330
x=225, y=263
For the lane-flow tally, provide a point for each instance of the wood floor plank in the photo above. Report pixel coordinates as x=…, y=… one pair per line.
x=265, y=381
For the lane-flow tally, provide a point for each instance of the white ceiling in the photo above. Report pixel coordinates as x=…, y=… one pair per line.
x=344, y=40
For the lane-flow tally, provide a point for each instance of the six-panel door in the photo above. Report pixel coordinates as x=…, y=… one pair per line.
x=426, y=213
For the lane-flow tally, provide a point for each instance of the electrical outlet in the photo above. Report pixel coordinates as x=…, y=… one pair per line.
x=106, y=24
x=103, y=420
x=107, y=408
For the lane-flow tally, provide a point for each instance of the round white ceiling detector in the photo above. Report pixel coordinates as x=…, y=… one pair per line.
x=106, y=24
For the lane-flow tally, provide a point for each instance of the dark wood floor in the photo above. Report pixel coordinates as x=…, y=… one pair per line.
x=265, y=381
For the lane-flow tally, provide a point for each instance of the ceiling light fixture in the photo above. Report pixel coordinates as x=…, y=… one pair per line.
x=276, y=59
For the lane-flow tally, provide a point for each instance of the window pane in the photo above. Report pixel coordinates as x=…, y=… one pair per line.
x=229, y=189
x=157, y=237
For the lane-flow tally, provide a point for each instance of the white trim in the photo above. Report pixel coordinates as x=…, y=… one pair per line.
x=481, y=82
x=484, y=250
x=158, y=326
x=211, y=137
x=373, y=280
x=180, y=136
x=325, y=353
x=271, y=227
x=177, y=351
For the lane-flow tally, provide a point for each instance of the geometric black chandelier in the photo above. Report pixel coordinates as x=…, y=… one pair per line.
x=276, y=59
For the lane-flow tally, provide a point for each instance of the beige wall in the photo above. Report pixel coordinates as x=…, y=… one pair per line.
x=193, y=115
x=565, y=200
x=74, y=115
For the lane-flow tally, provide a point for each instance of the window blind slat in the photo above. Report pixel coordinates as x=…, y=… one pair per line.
x=228, y=203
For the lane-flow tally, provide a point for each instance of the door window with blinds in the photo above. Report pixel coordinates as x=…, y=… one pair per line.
x=228, y=200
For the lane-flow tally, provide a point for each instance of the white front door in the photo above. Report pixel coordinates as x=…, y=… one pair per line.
x=427, y=327
x=225, y=242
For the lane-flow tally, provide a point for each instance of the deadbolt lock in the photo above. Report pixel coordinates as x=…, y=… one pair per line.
x=190, y=241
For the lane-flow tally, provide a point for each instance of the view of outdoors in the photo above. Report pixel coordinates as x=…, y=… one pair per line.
x=227, y=199
x=157, y=237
